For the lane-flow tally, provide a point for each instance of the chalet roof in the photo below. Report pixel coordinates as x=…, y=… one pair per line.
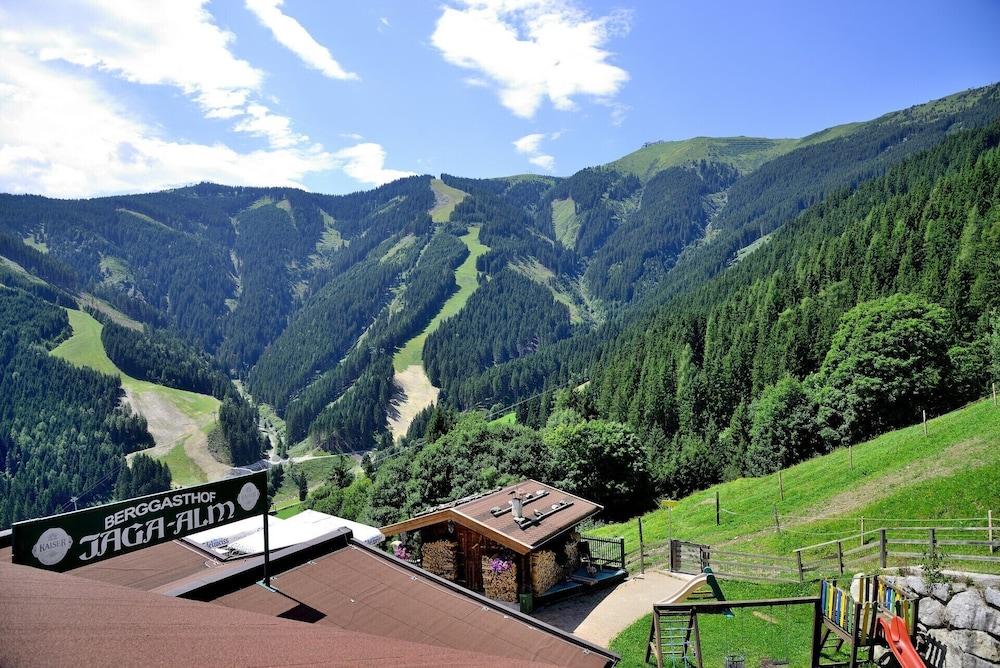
x=332, y=584
x=59, y=619
x=548, y=512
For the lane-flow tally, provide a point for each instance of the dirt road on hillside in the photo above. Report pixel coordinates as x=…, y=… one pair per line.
x=414, y=393
x=170, y=426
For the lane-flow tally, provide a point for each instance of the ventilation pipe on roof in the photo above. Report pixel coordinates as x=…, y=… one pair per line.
x=516, y=505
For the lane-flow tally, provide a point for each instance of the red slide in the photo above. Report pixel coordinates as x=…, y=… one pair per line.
x=898, y=639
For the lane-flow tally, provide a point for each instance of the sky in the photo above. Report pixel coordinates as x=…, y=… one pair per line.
x=101, y=97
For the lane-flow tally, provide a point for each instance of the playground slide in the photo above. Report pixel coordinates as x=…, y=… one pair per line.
x=693, y=585
x=898, y=639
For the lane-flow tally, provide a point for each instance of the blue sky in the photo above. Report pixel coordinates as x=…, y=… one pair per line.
x=100, y=97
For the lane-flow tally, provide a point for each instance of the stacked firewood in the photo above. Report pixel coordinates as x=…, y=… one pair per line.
x=572, y=551
x=545, y=571
x=438, y=557
x=500, y=585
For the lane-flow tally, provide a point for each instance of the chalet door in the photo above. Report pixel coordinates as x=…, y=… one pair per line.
x=471, y=545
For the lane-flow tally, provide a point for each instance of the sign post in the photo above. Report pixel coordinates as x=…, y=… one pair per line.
x=68, y=541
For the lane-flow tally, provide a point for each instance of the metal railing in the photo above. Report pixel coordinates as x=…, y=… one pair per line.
x=606, y=552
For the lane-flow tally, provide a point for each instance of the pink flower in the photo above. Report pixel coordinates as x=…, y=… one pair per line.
x=500, y=565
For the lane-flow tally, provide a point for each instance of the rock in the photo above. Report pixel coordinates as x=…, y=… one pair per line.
x=958, y=587
x=967, y=610
x=915, y=584
x=993, y=596
x=941, y=592
x=978, y=644
x=932, y=613
x=967, y=649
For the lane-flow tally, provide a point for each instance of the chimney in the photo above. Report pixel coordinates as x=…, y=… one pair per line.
x=517, y=509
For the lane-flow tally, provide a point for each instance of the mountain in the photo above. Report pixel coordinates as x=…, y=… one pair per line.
x=686, y=281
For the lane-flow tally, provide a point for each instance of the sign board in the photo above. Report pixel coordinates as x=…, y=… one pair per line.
x=67, y=541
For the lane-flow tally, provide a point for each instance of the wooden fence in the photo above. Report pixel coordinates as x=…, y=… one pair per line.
x=953, y=547
x=945, y=546
x=692, y=558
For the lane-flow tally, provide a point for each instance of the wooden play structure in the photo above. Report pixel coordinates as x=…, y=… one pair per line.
x=877, y=615
x=674, y=637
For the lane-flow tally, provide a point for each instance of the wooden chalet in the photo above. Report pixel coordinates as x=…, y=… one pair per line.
x=516, y=543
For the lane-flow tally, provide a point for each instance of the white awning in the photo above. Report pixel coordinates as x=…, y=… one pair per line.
x=305, y=526
x=246, y=537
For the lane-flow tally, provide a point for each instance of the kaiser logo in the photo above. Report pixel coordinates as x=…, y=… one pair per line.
x=248, y=496
x=52, y=546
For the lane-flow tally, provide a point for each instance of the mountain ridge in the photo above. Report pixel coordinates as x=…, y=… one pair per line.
x=307, y=297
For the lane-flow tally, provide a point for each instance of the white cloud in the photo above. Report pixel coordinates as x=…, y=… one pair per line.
x=366, y=163
x=529, y=143
x=297, y=39
x=169, y=43
x=531, y=146
x=546, y=162
x=533, y=49
x=61, y=135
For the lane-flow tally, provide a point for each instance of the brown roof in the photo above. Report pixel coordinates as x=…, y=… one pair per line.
x=58, y=619
x=337, y=584
x=359, y=588
x=477, y=514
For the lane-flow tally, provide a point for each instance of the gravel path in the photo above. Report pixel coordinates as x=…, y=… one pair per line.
x=601, y=616
x=415, y=393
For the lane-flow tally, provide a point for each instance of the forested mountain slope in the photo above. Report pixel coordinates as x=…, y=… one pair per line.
x=686, y=281
x=868, y=309
x=752, y=207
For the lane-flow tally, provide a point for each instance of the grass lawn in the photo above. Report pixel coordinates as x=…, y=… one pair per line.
x=288, y=511
x=468, y=280
x=775, y=632
x=448, y=198
x=506, y=418
x=565, y=221
x=744, y=153
x=305, y=448
x=950, y=473
x=183, y=470
x=84, y=348
x=316, y=471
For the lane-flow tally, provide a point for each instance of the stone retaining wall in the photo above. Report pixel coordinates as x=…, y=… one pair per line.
x=960, y=618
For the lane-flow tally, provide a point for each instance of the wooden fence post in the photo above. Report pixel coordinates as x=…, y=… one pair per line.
x=717, y=520
x=697, y=640
x=798, y=564
x=850, y=456
x=670, y=524
x=882, y=549
x=642, y=551
x=840, y=555
x=781, y=486
x=994, y=394
x=817, y=642
x=925, y=422
x=862, y=530
x=777, y=524
x=932, y=543
x=989, y=524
